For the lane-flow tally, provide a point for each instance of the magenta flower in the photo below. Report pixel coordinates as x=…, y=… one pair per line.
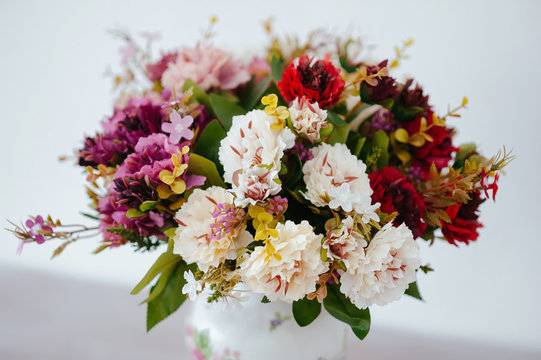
x=36, y=229
x=178, y=128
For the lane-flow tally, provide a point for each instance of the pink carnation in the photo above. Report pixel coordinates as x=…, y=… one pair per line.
x=207, y=66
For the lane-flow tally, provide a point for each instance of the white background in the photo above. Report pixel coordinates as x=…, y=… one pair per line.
x=53, y=55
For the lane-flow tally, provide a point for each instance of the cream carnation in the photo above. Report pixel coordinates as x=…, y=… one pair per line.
x=307, y=119
x=295, y=273
x=385, y=269
x=251, y=154
x=207, y=66
x=341, y=243
x=336, y=178
x=211, y=229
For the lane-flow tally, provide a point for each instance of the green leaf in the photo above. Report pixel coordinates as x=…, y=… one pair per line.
x=134, y=213
x=225, y=109
x=90, y=216
x=163, y=262
x=169, y=300
x=381, y=140
x=255, y=92
x=339, y=306
x=148, y=205
x=339, y=134
x=413, y=291
x=198, y=94
x=359, y=146
x=335, y=118
x=199, y=165
x=277, y=68
x=305, y=311
x=208, y=143
x=265, y=300
x=160, y=285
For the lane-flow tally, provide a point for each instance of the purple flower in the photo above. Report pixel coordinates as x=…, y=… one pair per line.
x=178, y=128
x=37, y=229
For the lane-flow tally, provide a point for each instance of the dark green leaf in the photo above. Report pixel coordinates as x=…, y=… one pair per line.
x=255, y=92
x=200, y=165
x=339, y=134
x=297, y=171
x=160, y=285
x=381, y=140
x=198, y=94
x=413, y=291
x=305, y=311
x=265, y=300
x=209, y=142
x=276, y=68
x=335, y=118
x=339, y=306
x=225, y=109
x=169, y=300
x=345, y=66
x=163, y=262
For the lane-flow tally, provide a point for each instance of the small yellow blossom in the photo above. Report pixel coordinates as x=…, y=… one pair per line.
x=281, y=113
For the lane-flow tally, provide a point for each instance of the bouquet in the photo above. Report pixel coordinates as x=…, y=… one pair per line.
x=309, y=174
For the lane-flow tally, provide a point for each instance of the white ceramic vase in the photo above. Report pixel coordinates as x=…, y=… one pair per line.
x=260, y=331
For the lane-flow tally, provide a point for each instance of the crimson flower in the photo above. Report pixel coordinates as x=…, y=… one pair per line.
x=319, y=81
x=464, y=221
x=395, y=193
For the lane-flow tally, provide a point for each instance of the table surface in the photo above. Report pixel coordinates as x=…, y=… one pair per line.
x=49, y=317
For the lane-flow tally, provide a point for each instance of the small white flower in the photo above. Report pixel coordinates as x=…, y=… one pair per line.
x=251, y=154
x=294, y=273
x=384, y=269
x=367, y=211
x=336, y=178
x=307, y=119
x=192, y=286
x=343, y=197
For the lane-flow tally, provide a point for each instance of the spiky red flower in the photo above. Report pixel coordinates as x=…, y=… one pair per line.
x=319, y=81
x=464, y=221
x=386, y=88
x=395, y=193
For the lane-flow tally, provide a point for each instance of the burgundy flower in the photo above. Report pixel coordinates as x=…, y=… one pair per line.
x=411, y=102
x=438, y=151
x=319, y=81
x=464, y=223
x=132, y=192
x=386, y=88
x=393, y=191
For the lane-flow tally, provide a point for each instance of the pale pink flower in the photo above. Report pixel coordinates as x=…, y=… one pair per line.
x=207, y=66
x=126, y=52
x=178, y=128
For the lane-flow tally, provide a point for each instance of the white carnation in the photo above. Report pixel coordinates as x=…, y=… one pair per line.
x=341, y=243
x=336, y=178
x=251, y=154
x=385, y=268
x=200, y=237
x=296, y=273
x=307, y=118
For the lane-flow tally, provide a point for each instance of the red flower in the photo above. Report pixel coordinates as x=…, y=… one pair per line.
x=318, y=80
x=486, y=187
x=438, y=151
x=464, y=221
x=393, y=191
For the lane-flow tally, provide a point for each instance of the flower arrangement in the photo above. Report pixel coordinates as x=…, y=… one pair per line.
x=310, y=175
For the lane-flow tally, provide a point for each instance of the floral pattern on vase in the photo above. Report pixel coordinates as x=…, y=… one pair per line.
x=201, y=348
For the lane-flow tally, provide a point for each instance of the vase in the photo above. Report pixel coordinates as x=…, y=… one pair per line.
x=259, y=331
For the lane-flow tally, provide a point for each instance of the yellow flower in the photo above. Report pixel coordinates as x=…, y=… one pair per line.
x=281, y=113
x=175, y=185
